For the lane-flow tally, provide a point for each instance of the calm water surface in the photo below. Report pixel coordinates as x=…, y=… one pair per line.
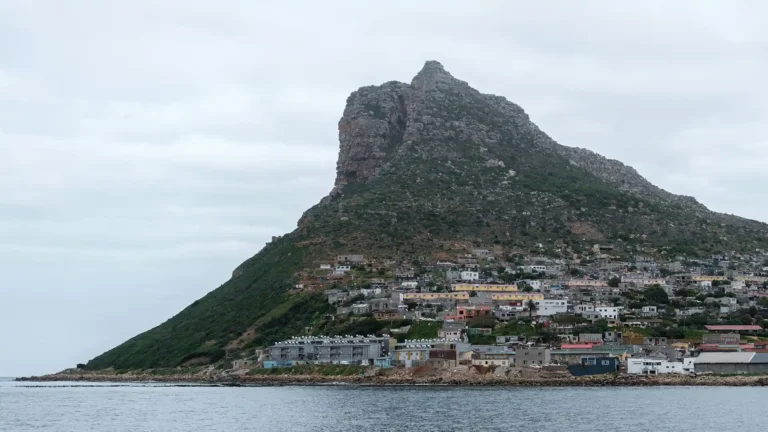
x=43, y=407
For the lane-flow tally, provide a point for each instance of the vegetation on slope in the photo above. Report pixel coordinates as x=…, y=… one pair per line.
x=205, y=327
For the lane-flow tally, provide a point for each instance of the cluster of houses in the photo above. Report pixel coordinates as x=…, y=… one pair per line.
x=486, y=282
x=555, y=296
x=721, y=351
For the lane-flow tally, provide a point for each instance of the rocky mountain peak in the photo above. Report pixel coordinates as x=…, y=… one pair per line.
x=438, y=147
x=431, y=76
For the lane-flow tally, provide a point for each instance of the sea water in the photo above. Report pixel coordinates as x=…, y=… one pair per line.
x=78, y=407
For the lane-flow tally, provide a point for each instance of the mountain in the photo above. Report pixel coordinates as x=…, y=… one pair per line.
x=427, y=170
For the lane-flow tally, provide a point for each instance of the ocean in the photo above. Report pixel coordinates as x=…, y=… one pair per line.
x=70, y=407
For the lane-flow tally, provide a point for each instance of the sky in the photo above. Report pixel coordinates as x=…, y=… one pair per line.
x=149, y=147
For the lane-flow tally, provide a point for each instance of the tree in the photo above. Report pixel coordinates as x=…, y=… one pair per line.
x=547, y=336
x=587, y=329
x=508, y=277
x=695, y=321
x=676, y=333
x=683, y=292
x=531, y=305
x=483, y=321
x=701, y=297
x=614, y=282
x=656, y=295
x=524, y=286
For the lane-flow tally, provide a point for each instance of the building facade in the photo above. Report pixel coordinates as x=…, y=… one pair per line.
x=549, y=307
x=530, y=356
x=358, y=350
x=652, y=366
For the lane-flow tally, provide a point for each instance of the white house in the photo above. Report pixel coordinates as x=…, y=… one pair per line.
x=533, y=268
x=584, y=307
x=360, y=308
x=690, y=311
x=534, y=283
x=550, y=307
x=652, y=366
x=688, y=364
x=608, y=312
x=341, y=269
x=728, y=301
x=451, y=331
x=737, y=285
x=470, y=275
x=325, y=266
x=368, y=292
x=491, y=360
x=506, y=313
x=409, y=284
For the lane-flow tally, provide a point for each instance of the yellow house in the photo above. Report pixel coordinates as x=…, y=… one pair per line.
x=707, y=278
x=517, y=296
x=485, y=287
x=436, y=296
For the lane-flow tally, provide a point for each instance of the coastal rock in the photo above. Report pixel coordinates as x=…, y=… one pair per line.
x=497, y=377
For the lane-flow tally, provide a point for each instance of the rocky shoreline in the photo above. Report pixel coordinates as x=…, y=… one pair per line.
x=401, y=379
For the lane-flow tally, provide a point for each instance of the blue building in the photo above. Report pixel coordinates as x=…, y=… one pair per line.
x=591, y=365
x=269, y=364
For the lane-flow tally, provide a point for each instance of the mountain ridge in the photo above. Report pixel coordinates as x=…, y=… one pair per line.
x=430, y=169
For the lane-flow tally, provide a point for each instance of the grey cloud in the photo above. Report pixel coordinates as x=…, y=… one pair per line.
x=148, y=147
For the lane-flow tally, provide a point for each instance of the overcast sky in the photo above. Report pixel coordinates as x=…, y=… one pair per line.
x=148, y=147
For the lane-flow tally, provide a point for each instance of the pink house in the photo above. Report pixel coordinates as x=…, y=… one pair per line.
x=468, y=312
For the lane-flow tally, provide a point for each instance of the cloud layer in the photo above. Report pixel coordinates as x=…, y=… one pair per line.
x=148, y=147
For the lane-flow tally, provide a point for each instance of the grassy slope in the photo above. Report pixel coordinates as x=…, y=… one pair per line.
x=222, y=315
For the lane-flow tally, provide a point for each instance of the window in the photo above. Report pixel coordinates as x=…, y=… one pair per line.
x=525, y=361
x=606, y=362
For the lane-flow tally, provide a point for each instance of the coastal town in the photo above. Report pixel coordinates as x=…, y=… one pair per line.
x=489, y=309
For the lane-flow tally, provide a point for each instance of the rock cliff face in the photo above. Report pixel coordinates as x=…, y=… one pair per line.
x=379, y=120
x=436, y=160
x=370, y=131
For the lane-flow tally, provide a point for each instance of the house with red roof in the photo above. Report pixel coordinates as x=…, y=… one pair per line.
x=734, y=328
